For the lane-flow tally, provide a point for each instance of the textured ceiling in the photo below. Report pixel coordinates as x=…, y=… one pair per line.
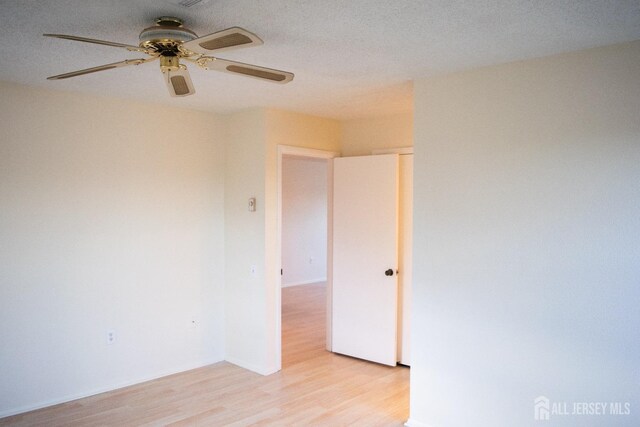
x=351, y=58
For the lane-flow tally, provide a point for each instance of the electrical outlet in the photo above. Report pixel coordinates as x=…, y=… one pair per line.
x=111, y=337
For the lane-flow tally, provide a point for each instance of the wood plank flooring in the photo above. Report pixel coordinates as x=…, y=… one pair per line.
x=315, y=387
x=303, y=323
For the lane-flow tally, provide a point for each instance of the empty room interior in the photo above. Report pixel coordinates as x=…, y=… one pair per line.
x=332, y=213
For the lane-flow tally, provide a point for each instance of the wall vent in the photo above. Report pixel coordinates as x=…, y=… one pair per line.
x=187, y=3
x=190, y=3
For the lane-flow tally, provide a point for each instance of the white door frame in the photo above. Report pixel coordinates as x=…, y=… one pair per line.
x=286, y=150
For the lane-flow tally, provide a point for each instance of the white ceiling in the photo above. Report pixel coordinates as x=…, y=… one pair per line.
x=351, y=58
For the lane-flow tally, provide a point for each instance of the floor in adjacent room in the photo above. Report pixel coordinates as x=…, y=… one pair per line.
x=314, y=387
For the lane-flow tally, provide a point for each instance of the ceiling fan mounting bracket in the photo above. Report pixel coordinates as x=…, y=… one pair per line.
x=169, y=21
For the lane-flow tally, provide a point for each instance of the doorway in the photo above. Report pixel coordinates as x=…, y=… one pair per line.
x=305, y=181
x=304, y=258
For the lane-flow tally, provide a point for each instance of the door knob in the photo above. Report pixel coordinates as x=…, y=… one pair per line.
x=389, y=272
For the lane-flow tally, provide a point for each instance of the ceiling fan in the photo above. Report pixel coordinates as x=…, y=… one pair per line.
x=169, y=42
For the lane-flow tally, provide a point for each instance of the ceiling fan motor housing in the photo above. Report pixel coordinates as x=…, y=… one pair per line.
x=168, y=31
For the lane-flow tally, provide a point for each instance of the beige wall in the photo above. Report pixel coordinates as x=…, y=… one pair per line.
x=111, y=218
x=526, y=225
x=360, y=137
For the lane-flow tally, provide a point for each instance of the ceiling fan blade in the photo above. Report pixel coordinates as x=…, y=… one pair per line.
x=231, y=38
x=102, y=42
x=179, y=82
x=262, y=73
x=101, y=68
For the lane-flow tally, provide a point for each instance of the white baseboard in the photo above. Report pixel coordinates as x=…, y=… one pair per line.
x=307, y=282
x=262, y=370
x=415, y=423
x=93, y=392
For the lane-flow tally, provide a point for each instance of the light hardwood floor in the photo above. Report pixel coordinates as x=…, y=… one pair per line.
x=315, y=387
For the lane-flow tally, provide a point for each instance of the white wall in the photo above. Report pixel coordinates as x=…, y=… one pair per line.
x=304, y=220
x=245, y=292
x=111, y=218
x=251, y=238
x=526, y=240
x=299, y=130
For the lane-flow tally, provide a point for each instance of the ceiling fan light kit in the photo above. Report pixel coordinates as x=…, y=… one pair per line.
x=169, y=41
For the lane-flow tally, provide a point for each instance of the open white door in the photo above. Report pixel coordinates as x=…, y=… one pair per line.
x=365, y=257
